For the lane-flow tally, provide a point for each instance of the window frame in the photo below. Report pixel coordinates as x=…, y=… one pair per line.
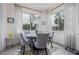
x=53, y=20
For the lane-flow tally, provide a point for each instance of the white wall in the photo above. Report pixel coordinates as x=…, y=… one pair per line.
x=59, y=37
x=2, y=27
x=11, y=27
x=7, y=10
x=44, y=28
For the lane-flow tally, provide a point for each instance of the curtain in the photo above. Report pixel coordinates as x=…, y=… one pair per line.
x=77, y=26
x=19, y=19
x=69, y=25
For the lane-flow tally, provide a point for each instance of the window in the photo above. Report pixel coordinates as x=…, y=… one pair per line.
x=58, y=21
x=33, y=21
x=26, y=21
x=29, y=21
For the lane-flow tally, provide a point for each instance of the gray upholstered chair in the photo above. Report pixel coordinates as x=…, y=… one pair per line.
x=50, y=39
x=23, y=42
x=41, y=43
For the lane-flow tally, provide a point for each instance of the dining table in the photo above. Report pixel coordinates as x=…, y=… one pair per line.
x=29, y=37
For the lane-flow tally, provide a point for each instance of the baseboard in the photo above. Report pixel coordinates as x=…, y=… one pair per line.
x=10, y=46
x=74, y=51
x=59, y=44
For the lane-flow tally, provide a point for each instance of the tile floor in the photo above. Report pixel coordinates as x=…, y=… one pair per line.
x=56, y=50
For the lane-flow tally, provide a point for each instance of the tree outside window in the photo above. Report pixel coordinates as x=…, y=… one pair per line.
x=29, y=21
x=26, y=21
x=58, y=20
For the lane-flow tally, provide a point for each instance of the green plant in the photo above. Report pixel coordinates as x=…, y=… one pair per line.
x=59, y=20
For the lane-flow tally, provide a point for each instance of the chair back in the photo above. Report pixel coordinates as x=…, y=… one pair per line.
x=52, y=35
x=22, y=39
x=41, y=40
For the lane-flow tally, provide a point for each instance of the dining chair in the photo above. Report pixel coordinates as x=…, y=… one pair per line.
x=23, y=43
x=41, y=43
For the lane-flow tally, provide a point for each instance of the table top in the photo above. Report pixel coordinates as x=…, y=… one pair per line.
x=29, y=35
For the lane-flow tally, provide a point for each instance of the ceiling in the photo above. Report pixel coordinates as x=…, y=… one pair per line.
x=40, y=6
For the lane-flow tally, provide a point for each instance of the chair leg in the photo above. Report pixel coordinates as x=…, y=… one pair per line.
x=48, y=43
x=46, y=51
x=23, y=50
x=37, y=52
x=51, y=45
